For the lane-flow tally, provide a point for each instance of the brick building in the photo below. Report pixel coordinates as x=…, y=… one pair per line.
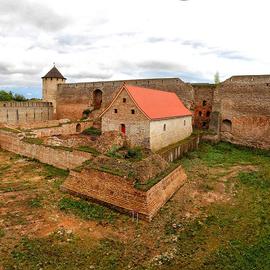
x=150, y=118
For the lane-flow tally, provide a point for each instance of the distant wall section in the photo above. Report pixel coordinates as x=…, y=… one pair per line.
x=22, y=112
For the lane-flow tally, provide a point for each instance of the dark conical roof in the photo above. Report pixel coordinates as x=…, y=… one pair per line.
x=54, y=73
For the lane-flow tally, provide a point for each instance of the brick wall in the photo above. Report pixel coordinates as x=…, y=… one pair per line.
x=73, y=98
x=22, y=112
x=63, y=129
x=242, y=112
x=56, y=157
x=120, y=193
x=179, y=150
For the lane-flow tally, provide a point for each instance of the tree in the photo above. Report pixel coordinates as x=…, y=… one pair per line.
x=216, y=78
x=5, y=96
x=8, y=96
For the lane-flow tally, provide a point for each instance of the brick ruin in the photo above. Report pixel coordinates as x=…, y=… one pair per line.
x=237, y=110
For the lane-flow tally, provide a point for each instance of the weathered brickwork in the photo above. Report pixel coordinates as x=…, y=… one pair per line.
x=137, y=126
x=22, y=112
x=120, y=193
x=56, y=157
x=203, y=102
x=72, y=99
x=242, y=112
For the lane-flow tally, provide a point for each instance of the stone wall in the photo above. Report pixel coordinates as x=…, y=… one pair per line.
x=72, y=99
x=56, y=157
x=137, y=126
x=120, y=193
x=242, y=112
x=169, y=131
x=203, y=101
x=178, y=150
x=63, y=129
x=22, y=112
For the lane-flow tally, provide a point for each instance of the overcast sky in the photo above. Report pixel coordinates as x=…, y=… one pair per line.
x=122, y=39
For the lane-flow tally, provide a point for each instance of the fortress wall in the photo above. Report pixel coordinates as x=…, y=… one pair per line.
x=56, y=157
x=73, y=99
x=203, y=102
x=120, y=193
x=63, y=129
x=22, y=112
x=242, y=111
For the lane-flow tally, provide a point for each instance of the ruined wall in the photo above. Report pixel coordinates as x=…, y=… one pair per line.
x=56, y=157
x=72, y=99
x=63, y=129
x=169, y=131
x=203, y=101
x=137, y=126
x=22, y=112
x=242, y=112
x=120, y=193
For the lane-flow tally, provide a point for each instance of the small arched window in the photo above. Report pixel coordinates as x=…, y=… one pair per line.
x=115, y=111
x=204, y=103
x=132, y=111
x=208, y=114
x=164, y=127
x=124, y=100
x=200, y=113
x=184, y=122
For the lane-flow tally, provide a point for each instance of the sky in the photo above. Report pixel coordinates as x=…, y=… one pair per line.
x=93, y=40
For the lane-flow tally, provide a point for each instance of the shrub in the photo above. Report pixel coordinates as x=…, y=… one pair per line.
x=92, y=131
x=134, y=153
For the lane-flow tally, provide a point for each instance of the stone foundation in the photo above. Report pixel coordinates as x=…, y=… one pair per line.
x=120, y=193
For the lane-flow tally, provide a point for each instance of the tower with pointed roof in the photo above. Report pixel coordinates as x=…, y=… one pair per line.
x=49, y=86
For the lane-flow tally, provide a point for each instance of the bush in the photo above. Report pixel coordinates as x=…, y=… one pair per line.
x=134, y=153
x=92, y=131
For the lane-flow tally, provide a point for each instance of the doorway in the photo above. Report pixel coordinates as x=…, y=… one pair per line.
x=123, y=128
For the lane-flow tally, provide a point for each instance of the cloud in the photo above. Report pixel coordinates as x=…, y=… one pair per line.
x=21, y=12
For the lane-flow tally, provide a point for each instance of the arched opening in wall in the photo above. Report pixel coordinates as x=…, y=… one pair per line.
x=226, y=125
x=123, y=128
x=78, y=128
x=97, y=99
x=208, y=113
x=204, y=103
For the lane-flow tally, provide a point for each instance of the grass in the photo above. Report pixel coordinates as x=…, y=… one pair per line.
x=189, y=232
x=86, y=210
x=10, y=130
x=36, y=141
x=35, y=202
x=92, y=131
x=88, y=149
x=151, y=182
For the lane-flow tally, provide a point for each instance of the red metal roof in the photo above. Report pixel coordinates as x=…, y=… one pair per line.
x=157, y=104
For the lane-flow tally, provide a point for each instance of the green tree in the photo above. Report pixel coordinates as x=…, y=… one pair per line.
x=18, y=97
x=5, y=96
x=216, y=78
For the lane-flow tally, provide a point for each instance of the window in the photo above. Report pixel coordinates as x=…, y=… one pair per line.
x=124, y=100
x=133, y=111
x=204, y=125
x=200, y=113
x=164, y=127
x=184, y=122
x=208, y=114
x=204, y=103
x=115, y=110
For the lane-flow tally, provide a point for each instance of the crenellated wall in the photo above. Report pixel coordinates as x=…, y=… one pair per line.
x=22, y=112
